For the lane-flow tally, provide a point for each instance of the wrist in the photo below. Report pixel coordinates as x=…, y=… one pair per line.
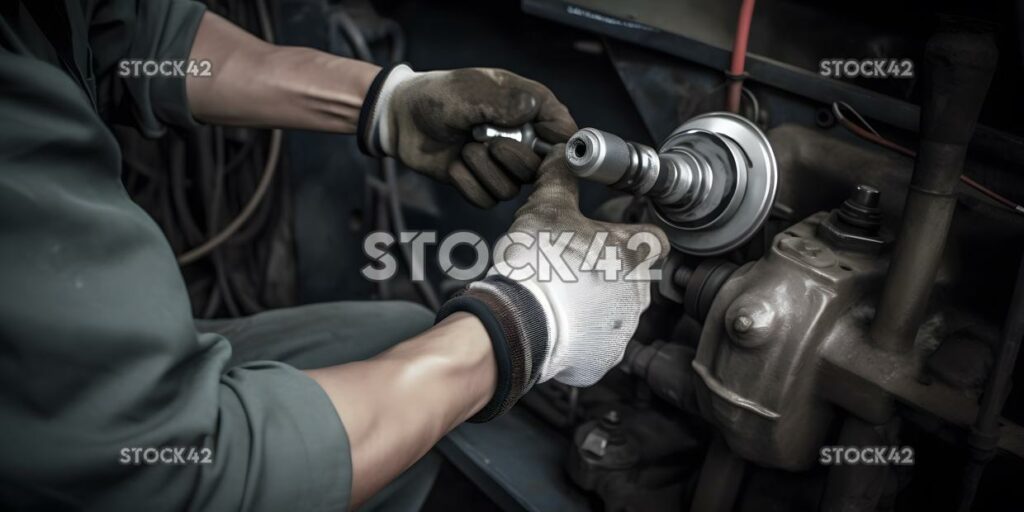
x=375, y=131
x=518, y=328
x=469, y=360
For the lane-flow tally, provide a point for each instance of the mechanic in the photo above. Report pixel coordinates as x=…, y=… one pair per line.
x=314, y=408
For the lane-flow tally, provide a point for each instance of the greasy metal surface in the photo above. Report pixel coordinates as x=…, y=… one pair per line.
x=517, y=461
x=798, y=319
x=859, y=375
x=724, y=393
x=849, y=349
x=720, y=479
x=769, y=320
x=859, y=487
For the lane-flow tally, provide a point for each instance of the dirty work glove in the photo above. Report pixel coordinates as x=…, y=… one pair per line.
x=425, y=120
x=569, y=327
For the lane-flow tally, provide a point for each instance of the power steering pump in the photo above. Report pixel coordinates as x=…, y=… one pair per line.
x=711, y=185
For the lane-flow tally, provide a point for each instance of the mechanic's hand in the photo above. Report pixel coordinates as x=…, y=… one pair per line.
x=571, y=325
x=426, y=120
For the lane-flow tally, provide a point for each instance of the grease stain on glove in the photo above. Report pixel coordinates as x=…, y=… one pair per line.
x=426, y=121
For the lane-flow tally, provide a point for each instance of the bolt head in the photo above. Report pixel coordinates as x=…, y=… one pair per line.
x=750, y=321
x=612, y=417
x=742, y=323
x=866, y=195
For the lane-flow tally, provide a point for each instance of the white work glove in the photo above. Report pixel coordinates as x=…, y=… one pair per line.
x=426, y=121
x=571, y=325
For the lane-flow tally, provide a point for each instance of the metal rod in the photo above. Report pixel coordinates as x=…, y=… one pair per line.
x=958, y=69
x=985, y=433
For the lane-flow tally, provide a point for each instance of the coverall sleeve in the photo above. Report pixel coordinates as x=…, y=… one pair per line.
x=158, y=30
x=98, y=351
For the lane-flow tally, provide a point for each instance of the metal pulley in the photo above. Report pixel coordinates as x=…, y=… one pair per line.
x=711, y=185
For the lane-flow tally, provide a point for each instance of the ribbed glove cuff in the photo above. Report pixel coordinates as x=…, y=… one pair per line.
x=517, y=326
x=372, y=134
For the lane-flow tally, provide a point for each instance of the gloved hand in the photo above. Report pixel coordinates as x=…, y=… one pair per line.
x=570, y=327
x=426, y=119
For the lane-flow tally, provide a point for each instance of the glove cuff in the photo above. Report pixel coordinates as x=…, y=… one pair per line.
x=373, y=131
x=517, y=325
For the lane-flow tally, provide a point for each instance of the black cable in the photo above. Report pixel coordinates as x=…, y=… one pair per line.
x=257, y=224
x=424, y=286
x=212, y=302
x=240, y=156
x=230, y=175
x=341, y=20
x=174, y=235
x=394, y=31
x=214, y=199
x=194, y=182
x=179, y=199
x=268, y=172
x=222, y=283
x=243, y=293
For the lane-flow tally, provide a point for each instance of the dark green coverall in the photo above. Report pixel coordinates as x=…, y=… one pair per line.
x=98, y=349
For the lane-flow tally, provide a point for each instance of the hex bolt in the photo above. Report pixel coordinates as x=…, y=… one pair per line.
x=856, y=224
x=860, y=210
x=611, y=422
x=866, y=196
x=611, y=418
x=681, y=277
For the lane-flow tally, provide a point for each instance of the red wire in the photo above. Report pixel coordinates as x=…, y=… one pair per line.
x=877, y=139
x=739, y=56
x=882, y=141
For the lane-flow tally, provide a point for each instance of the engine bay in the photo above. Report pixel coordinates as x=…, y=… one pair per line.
x=838, y=322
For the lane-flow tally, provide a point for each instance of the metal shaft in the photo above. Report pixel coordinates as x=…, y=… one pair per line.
x=684, y=183
x=958, y=69
x=524, y=134
x=604, y=157
x=985, y=432
x=711, y=184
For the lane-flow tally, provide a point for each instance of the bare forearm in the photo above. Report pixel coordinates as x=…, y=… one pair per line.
x=398, y=404
x=254, y=83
